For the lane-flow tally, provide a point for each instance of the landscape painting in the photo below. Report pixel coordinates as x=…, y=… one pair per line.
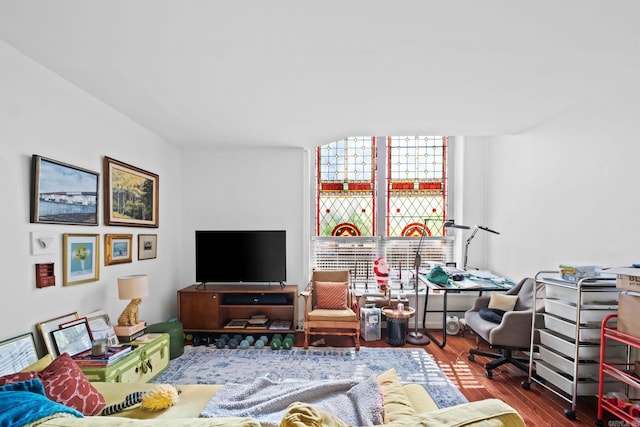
x=62, y=193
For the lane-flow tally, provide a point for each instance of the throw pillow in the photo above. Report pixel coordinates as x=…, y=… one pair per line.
x=331, y=295
x=396, y=402
x=502, y=302
x=491, y=314
x=64, y=382
x=33, y=385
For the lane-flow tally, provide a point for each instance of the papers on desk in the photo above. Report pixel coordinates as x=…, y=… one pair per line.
x=467, y=284
x=486, y=275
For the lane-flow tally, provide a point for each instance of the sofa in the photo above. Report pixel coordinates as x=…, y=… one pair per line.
x=55, y=393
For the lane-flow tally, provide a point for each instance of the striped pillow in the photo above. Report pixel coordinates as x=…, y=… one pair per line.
x=331, y=295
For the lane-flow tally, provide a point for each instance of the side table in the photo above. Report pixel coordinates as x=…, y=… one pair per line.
x=397, y=323
x=149, y=358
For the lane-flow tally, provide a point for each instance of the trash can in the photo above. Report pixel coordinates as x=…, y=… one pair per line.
x=397, y=324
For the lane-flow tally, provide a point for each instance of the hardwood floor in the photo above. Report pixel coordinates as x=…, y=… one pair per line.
x=538, y=406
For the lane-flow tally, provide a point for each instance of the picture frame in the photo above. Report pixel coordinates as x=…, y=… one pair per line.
x=62, y=193
x=17, y=353
x=117, y=248
x=80, y=256
x=72, y=339
x=101, y=328
x=47, y=326
x=130, y=195
x=147, y=246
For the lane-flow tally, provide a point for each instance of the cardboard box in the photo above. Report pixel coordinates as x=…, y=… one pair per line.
x=626, y=278
x=628, y=309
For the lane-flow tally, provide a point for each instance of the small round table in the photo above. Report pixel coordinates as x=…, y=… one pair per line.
x=397, y=324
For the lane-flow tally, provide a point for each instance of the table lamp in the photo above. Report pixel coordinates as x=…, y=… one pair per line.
x=133, y=288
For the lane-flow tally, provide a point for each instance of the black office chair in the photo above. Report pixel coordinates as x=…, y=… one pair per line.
x=509, y=334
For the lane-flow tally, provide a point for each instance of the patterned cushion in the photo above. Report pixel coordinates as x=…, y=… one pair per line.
x=331, y=295
x=64, y=382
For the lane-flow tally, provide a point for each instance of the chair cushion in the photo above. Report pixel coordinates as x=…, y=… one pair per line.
x=345, y=315
x=331, y=295
x=492, y=314
x=502, y=302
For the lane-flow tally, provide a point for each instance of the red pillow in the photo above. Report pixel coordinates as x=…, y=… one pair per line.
x=64, y=382
x=331, y=295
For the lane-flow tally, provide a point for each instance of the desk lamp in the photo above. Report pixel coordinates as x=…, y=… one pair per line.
x=134, y=288
x=416, y=337
x=451, y=224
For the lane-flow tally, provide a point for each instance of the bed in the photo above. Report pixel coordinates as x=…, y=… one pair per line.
x=74, y=401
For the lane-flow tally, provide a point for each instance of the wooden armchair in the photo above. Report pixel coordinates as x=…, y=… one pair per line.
x=330, y=307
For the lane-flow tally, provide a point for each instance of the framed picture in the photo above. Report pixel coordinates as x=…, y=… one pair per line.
x=147, y=246
x=117, y=248
x=130, y=195
x=47, y=326
x=80, y=256
x=62, y=193
x=72, y=339
x=17, y=353
x=101, y=328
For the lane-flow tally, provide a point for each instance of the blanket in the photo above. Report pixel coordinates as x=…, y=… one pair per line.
x=25, y=403
x=355, y=402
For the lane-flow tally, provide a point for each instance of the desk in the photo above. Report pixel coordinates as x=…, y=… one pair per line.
x=469, y=284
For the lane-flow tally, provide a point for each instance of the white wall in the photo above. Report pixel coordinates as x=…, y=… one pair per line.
x=40, y=113
x=565, y=191
x=240, y=189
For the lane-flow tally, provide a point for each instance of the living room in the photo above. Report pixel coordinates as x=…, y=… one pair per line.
x=555, y=184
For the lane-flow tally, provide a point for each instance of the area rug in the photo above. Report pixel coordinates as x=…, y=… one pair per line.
x=209, y=365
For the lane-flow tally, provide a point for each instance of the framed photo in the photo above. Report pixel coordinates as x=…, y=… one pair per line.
x=72, y=339
x=117, y=248
x=147, y=246
x=62, y=193
x=47, y=326
x=17, y=353
x=130, y=195
x=101, y=328
x=80, y=256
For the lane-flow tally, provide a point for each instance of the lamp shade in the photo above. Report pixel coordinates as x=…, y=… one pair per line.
x=132, y=287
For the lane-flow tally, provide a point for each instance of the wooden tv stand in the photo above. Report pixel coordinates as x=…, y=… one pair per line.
x=208, y=308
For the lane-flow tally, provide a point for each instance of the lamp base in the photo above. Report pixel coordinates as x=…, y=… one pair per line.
x=416, y=338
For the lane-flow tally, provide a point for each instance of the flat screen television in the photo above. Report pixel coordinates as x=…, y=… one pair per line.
x=242, y=256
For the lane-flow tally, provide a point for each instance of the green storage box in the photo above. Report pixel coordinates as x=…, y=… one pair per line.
x=176, y=337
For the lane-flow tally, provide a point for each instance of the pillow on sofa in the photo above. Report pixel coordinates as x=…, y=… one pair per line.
x=64, y=382
x=502, y=302
x=396, y=402
x=331, y=295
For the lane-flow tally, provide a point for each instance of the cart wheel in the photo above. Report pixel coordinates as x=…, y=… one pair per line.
x=470, y=357
x=570, y=414
x=526, y=385
x=488, y=374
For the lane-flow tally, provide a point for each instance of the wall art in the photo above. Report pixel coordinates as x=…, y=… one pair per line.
x=117, y=248
x=80, y=256
x=147, y=246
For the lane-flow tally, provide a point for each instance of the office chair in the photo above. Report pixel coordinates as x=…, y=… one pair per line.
x=509, y=334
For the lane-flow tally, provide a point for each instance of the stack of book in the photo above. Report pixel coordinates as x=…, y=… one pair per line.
x=236, y=324
x=130, y=333
x=112, y=355
x=258, y=321
x=280, y=325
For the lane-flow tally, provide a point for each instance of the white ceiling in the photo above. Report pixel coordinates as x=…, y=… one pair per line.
x=301, y=73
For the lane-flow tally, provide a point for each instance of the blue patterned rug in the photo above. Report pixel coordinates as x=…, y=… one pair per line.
x=209, y=365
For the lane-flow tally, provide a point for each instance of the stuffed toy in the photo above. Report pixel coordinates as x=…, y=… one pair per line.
x=161, y=396
x=381, y=270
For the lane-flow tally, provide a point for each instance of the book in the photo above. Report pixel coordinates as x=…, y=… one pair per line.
x=132, y=337
x=280, y=325
x=236, y=324
x=113, y=354
x=254, y=322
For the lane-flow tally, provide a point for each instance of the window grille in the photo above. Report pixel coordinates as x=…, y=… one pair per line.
x=357, y=254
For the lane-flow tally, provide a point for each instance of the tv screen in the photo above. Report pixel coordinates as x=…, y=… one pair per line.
x=241, y=256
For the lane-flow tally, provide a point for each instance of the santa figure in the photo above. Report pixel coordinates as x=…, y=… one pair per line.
x=381, y=269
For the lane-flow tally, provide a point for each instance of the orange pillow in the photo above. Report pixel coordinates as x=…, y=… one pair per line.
x=64, y=382
x=331, y=295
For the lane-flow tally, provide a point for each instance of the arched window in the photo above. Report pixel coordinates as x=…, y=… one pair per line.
x=376, y=196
